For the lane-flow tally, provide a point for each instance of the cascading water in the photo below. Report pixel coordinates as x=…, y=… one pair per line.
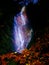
x=22, y=34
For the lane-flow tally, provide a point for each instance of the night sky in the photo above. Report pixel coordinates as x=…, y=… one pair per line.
x=37, y=15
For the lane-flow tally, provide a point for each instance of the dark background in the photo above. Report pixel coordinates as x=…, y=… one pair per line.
x=38, y=15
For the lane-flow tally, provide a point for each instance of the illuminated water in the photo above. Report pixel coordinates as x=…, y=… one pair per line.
x=22, y=34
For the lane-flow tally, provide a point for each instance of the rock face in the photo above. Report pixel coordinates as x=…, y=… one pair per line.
x=22, y=34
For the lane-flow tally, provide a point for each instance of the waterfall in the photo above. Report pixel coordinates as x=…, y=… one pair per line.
x=22, y=34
